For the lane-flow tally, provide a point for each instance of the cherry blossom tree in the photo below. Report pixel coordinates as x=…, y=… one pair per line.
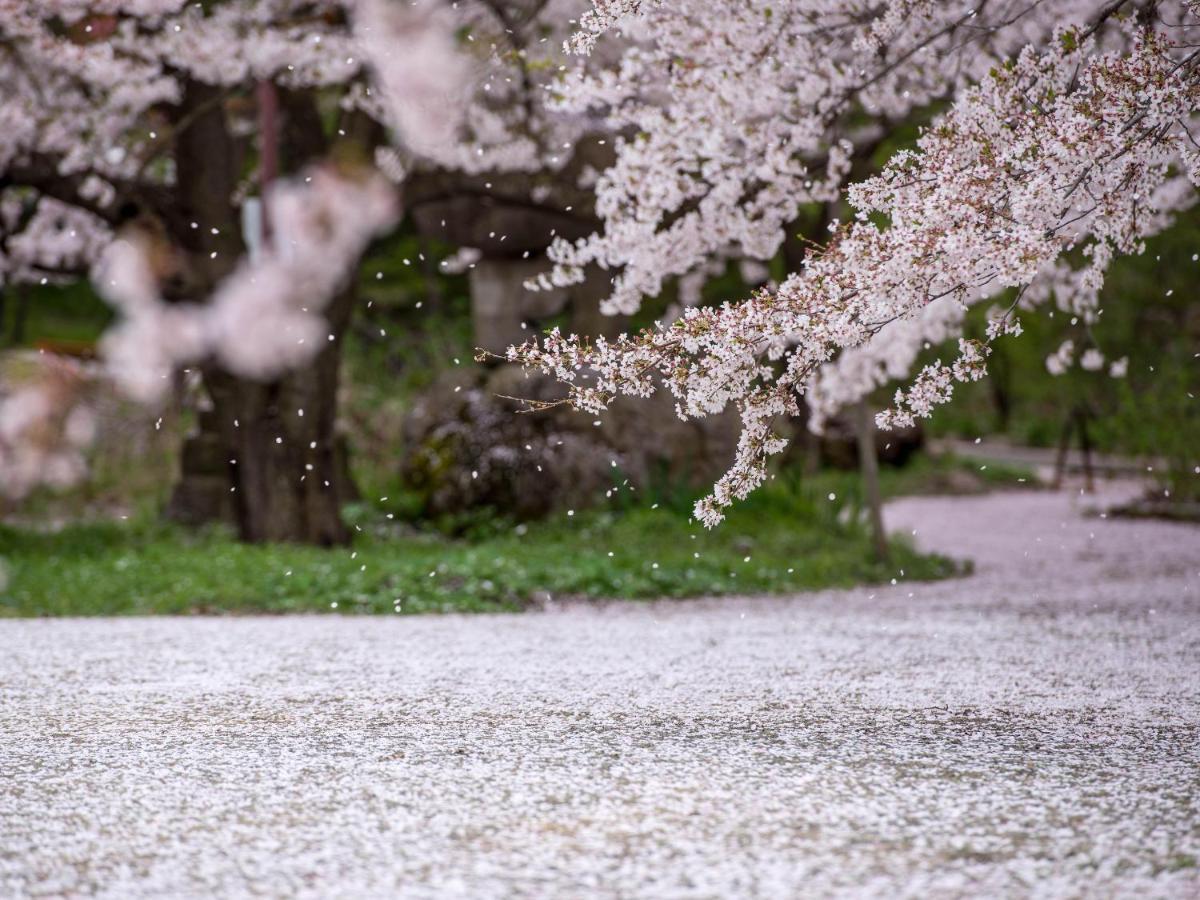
x=222, y=161
x=217, y=166
x=1060, y=138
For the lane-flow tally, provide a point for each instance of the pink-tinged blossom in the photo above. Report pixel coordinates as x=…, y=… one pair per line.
x=1058, y=362
x=151, y=337
x=46, y=422
x=42, y=239
x=266, y=317
x=603, y=16
x=422, y=76
x=1092, y=360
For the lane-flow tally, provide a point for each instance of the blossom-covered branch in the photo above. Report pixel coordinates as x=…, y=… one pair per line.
x=733, y=116
x=1066, y=147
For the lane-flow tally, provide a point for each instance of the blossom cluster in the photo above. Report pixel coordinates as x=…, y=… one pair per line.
x=266, y=317
x=46, y=422
x=732, y=117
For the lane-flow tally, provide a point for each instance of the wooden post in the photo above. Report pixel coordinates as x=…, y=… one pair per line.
x=869, y=465
x=1085, y=444
x=1064, y=448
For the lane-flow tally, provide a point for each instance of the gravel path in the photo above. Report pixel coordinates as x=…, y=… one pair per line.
x=1031, y=730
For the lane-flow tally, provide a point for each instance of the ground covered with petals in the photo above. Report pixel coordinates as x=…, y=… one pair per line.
x=1031, y=729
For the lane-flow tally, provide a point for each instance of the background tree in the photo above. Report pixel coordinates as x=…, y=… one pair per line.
x=168, y=124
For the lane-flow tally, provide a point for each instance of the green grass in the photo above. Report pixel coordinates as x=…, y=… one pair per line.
x=62, y=313
x=788, y=537
x=947, y=474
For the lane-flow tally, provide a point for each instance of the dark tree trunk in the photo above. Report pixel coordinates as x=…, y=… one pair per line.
x=1085, y=445
x=266, y=456
x=1064, y=448
x=285, y=466
x=1000, y=379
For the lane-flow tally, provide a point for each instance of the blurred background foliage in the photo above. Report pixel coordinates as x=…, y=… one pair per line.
x=1151, y=317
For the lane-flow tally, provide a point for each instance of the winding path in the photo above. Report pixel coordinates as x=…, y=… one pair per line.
x=1031, y=730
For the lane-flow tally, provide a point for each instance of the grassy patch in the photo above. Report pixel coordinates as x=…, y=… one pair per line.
x=949, y=474
x=791, y=536
x=63, y=314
